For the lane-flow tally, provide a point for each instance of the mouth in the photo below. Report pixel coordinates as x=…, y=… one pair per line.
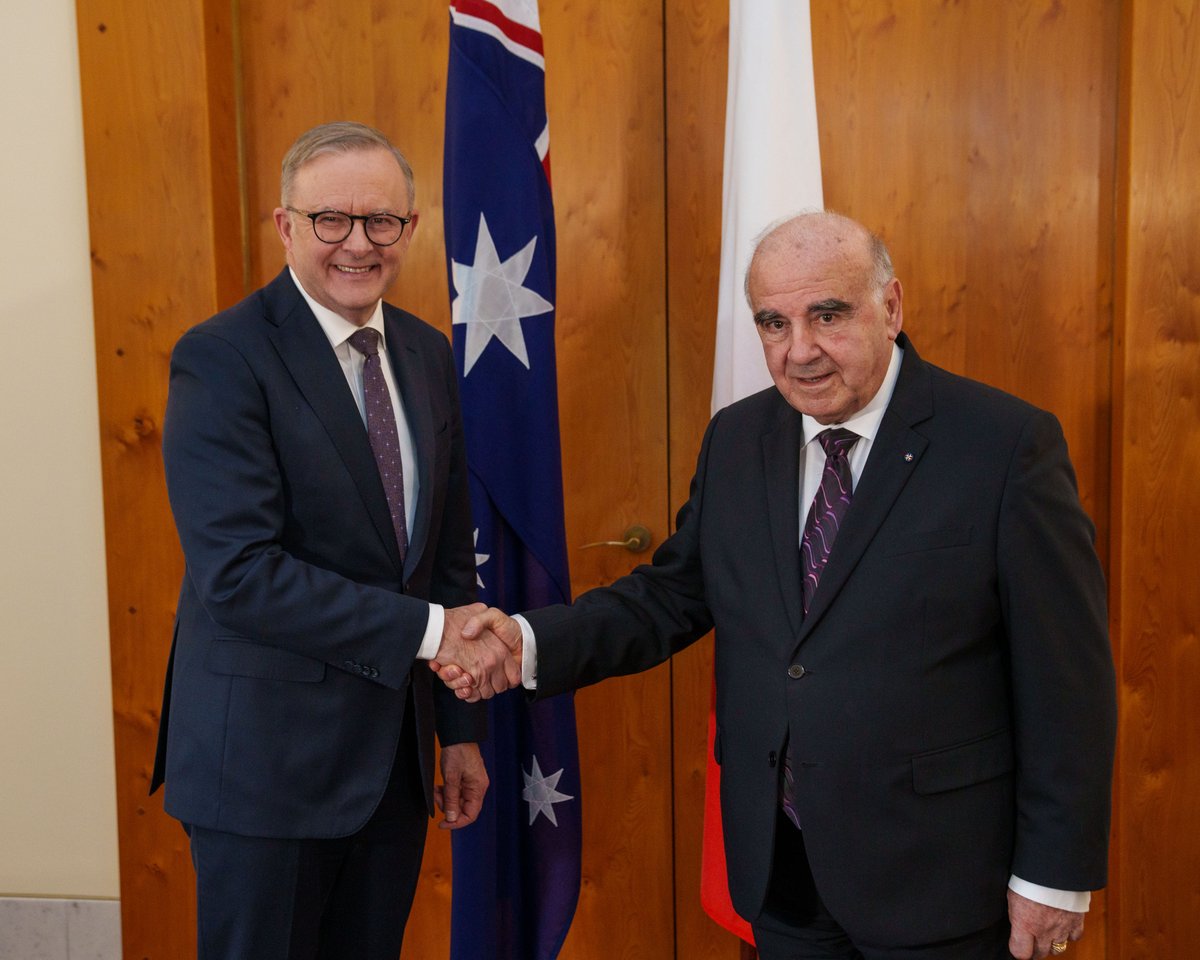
x=352, y=271
x=813, y=381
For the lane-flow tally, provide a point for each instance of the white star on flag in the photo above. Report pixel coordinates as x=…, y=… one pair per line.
x=480, y=559
x=492, y=298
x=542, y=793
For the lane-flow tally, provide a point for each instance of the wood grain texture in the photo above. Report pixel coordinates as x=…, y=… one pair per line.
x=1155, y=907
x=697, y=46
x=159, y=137
x=604, y=96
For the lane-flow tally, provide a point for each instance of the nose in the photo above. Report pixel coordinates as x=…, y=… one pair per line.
x=358, y=242
x=802, y=347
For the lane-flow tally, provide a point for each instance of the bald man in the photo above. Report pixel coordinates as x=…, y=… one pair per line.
x=915, y=690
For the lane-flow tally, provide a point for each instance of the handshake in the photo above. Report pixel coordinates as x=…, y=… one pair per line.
x=480, y=655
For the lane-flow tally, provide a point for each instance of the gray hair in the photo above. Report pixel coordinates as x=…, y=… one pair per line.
x=342, y=136
x=882, y=270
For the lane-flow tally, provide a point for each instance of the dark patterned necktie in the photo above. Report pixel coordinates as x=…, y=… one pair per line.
x=828, y=508
x=820, y=530
x=381, y=429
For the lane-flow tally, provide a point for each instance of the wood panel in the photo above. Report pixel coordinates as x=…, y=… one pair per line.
x=604, y=95
x=1155, y=907
x=160, y=148
x=697, y=47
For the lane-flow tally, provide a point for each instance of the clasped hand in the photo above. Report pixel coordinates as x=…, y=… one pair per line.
x=480, y=654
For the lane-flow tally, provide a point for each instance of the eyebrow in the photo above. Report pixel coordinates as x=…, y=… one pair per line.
x=765, y=316
x=832, y=305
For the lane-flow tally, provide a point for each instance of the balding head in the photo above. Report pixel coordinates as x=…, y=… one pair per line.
x=823, y=233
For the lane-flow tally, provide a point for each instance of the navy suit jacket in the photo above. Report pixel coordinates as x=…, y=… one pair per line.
x=297, y=629
x=954, y=718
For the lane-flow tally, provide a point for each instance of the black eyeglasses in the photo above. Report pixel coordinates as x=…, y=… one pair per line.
x=333, y=226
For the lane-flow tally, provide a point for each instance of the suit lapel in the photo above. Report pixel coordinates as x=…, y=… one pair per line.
x=314, y=367
x=781, y=465
x=894, y=455
x=412, y=381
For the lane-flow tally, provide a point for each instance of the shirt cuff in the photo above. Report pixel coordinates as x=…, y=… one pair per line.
x=1077, y=901
x=528, y=654
x=431, y=643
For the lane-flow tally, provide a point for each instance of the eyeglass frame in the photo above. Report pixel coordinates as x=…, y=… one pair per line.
x=404, y=222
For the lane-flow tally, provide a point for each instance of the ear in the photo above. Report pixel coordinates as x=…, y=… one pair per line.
x=284, y=225
x=893, y=303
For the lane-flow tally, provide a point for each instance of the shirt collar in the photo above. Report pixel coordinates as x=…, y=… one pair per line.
x=866, y=422
x=337, y=328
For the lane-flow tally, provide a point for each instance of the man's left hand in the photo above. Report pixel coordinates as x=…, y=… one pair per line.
x=1036, y=926
x=465, y=781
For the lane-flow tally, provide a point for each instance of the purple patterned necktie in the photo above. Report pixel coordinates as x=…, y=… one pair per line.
x=828, y=508
x=820, y=530
x=381, y=429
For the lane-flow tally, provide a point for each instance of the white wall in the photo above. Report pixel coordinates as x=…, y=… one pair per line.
x=58, y=834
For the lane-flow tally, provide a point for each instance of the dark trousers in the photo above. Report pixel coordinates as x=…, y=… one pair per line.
x=344, y=899
x=795, y=925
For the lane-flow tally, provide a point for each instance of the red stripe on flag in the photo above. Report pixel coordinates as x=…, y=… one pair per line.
x=516, y=32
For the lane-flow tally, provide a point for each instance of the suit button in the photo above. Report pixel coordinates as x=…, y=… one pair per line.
x=772, y=758
x=795, y=671
x=374, y=672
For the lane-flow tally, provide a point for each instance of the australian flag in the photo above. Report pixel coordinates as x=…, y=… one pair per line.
x=516, y=870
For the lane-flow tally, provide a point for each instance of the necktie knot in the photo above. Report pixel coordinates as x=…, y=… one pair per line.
x=365, y=341
x=836, y=443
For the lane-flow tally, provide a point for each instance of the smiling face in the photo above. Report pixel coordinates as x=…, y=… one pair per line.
x=826, y=322
x=350, y=277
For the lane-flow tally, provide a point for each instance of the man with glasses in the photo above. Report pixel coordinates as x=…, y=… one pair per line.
x=316, y=471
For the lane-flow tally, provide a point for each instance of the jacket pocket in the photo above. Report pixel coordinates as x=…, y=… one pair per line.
x=241, y=658
x=920, y=540
x=963, y=765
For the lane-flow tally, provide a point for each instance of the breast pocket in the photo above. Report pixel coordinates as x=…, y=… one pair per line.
x=942, y=538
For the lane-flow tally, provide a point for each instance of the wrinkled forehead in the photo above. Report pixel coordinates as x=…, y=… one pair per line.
x=817, y=258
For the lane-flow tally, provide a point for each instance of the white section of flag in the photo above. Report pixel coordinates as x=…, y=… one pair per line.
x=524, y=12
x=772, y=167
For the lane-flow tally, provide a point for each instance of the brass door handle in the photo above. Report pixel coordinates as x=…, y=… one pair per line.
x=637, y=539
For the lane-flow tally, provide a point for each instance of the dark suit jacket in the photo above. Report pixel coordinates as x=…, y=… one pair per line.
x=954, y=720
x=297, y=630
